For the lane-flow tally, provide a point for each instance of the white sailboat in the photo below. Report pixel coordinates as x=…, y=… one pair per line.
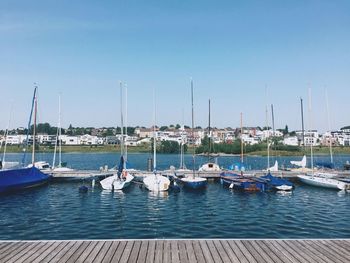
x=60, y=167
x=122, y=178
x=209, y=166
x=319, y=179
x=156, y=182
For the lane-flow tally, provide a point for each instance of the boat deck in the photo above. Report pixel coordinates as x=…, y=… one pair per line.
x=177, y=251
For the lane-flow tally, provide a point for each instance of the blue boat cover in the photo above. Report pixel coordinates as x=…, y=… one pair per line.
x=16, y=179
x=275, y=181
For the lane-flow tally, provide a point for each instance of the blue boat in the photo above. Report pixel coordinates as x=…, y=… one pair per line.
x=21, y=178
x=241, y=182
x=276, y=183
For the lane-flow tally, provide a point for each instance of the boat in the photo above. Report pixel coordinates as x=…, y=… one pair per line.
x=209, y=166
x=301, y=163
x=61, y=167
x=347, y=165
x=242, y=182
x=276, y=183
x=156, y=182
x=22, y=178
x=192, y=181
x=324, y=180
x=123, y=178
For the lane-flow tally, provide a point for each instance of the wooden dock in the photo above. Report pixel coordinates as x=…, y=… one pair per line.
x=240, y=251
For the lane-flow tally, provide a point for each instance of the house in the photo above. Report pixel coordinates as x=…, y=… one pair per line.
x=291, y=141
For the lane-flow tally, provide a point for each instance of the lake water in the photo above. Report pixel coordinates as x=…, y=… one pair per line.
x=59, y=211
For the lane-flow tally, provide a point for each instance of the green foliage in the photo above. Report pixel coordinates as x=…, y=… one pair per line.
x=169, y=147
x=163, y=128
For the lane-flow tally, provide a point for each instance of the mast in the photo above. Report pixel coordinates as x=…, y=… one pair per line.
x=182, y=158
x=28, y=129
x=34, y=127
x=329, y=127
x=126, y=123
x=302, y=120
x=273, y=125
x=267, y=138
x=209, y=136
x=192, y=133
x=310, y=123
x=154, y=134
x=241, y=139
x=57, y=132
x=60, y=131
x=121, y=123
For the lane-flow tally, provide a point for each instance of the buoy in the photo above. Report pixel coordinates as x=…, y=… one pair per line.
x=93, y=183
x=83, y=189
x=231, y=186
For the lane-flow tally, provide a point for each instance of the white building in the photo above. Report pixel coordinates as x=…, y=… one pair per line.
x=70, y=140
x=292, y=141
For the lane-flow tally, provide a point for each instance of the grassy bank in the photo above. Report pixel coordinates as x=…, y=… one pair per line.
x=146, y=149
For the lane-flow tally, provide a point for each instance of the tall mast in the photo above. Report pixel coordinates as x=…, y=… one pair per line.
x=60, y=130
x=192, y=133
x=126, y=122
x=329, y=128
x=209, y=136
x=273, y=120
x=121, y=121
x=34, y=126
x=182, y=158
x=6, y=134
x=310, y=124
x=154, y=134
x=241, y=139
x=57, y=132
x=302, y=121
x=268, y=130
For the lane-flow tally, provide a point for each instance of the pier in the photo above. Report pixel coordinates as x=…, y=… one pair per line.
x=215, y=250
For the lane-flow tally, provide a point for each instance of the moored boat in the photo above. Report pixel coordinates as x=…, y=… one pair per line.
x=324, y=182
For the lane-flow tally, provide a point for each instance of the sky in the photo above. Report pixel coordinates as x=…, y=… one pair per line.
x=242, y=55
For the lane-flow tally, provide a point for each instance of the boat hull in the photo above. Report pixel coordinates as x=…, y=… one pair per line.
x=115, y=183
x=194, y=183
x=22, y=178
x=156, y=183
x=324, y=182
x=235, y=181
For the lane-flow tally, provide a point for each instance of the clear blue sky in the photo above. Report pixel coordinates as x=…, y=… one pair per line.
x=232, y=49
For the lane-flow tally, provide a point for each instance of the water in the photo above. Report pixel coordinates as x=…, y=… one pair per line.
x=59, y=211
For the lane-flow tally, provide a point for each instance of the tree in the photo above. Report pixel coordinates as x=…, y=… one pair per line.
x=178, y=126
x=163, y=128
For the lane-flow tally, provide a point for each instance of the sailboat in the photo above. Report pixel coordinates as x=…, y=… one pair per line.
x=209, y=166
x=156, y=182
x=318, y=179
x=61, y=166
x=237, y=180
x=274, y=182
x=193, y=181
x=21, y=178
x=122, y=178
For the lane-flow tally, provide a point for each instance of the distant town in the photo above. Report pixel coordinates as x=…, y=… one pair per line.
x=136, y=136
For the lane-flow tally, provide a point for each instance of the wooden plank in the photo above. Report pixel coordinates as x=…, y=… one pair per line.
x=183, y=251
x=86, y=252
x=174, y=252
x=198, y=251
x=231, y=254
x=79, y=251
x=143, y=252
x=292, y=250
x=158, y=257
x=237, y=251
x=111, y=251
x=338, y=245
x=119, y=252
x=205, y=249
x=151, y=251
x=285, y=252
x=37, y=253
x=4, y=246
x=214, y=253
x=166, y=252
x=190, y=251
x=135, y=251
x=15, y=246
x=317, y=254
x=43, y=255
x=94, y=252
x=245, y=251
x=269, y=249
x=328, y=253
x=306, y=252
x=126, y=254
x=70, y=252
x=62, y=245
x=26, y=252
x=258, y=253
x=221, y=251
x=63, y=251
x=103, y=251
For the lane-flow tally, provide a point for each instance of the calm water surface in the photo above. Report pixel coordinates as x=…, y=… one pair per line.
x=59, y=211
